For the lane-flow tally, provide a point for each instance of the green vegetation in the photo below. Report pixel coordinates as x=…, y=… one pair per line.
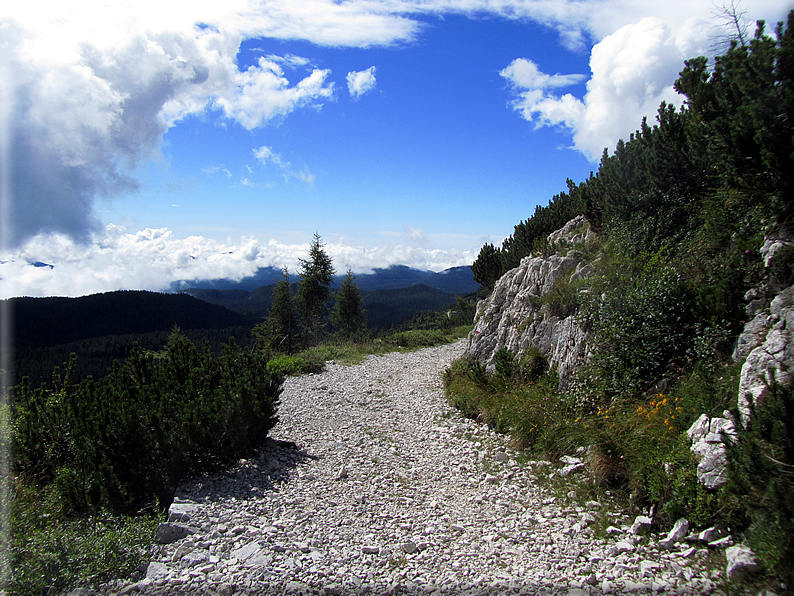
x=680, y=212
x=314, y=291
x=276, y=332
x=348, y=314
x=106, y=456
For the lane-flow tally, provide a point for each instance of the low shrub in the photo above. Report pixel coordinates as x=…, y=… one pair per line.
x=123, y=441
x=761, y=473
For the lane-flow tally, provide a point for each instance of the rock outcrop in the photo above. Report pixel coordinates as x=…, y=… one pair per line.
x=512, y=318
x=708, y=446
x=768, y=341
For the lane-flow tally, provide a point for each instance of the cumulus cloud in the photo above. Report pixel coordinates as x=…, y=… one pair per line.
x=153, y=259
x=361, y=82
x=632, y=72
x=265, y=154
x=90, y=87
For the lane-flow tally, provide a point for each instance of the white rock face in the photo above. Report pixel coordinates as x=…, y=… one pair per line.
x=706, y=436
x=772, y=359
x=510, y=317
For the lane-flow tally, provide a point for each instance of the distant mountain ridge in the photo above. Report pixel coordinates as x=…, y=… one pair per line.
x=52, y=321
x=455, y=280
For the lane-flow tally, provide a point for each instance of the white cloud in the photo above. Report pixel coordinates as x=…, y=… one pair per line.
x=262, y=93
x=632, y=72
x=265, y=154
x=153, y=259
x=524, y=73
x=361, y=82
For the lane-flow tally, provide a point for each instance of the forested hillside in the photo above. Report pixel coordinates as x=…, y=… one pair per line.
x=678, y=303
x=102, y=328
x=385, y=307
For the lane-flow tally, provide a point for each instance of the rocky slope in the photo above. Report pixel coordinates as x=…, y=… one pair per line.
x=372, y=484
x=512, y=318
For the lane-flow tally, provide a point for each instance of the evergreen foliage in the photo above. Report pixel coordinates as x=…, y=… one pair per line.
x=681, y=210
x=277, y=331
x=487, y=268
x=314, y=290
x=128, y=439
x=348, y=313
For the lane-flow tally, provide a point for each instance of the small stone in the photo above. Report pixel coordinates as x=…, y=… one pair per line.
x=648, y=568
x=408, y=547
x=724, y=542
x=169, y=532
x=501, y=456
x=623, y=546
x=342, y=473
x=741, y=562
x=370, y=550
x=641, y=526
x=679, y=530
x=713, y=533
x=490, y=479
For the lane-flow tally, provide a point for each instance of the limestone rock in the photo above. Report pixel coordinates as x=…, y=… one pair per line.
x=511, y=318
x=641, y=526
x=770, y=361
x=741, y=562
x=169, y=532
x=706, y=436
x=180, y=511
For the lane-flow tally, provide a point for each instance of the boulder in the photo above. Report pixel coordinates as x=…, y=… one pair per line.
x=511, y=318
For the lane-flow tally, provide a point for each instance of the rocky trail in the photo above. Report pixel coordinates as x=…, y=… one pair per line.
x=372, y=484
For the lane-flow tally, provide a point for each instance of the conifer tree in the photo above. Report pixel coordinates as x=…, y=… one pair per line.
x=277, y=331
x=487, y=268
x=348, y=314
x=314, y=290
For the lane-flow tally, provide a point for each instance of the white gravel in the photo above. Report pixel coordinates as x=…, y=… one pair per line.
x=372, y=484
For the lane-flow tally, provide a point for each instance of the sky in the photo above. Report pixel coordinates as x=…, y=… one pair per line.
x=145, y=144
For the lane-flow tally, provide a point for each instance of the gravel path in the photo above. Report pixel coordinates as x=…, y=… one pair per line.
x=372, y=484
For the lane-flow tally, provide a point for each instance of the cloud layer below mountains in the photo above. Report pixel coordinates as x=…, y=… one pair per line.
x=114, y=259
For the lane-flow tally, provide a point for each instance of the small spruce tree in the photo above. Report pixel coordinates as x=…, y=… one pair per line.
x=278, y=329
x=314, y=290
x=348, y=314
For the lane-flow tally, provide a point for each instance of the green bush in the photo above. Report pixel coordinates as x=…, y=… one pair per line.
x=761, y=473
x=638, y=324
x=121, y=442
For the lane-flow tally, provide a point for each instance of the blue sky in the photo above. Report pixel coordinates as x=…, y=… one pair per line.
x=162, y=142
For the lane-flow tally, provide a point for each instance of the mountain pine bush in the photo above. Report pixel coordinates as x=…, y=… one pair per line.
x=127, y=440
